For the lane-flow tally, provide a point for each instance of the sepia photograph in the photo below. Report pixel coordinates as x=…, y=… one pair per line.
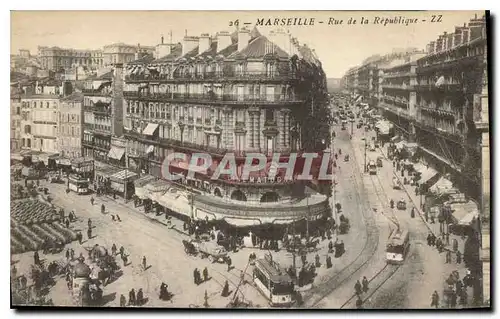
x=296, y=160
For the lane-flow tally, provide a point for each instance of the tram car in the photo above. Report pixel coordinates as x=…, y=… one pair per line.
x=273, y=282
x=372, y=168
x=397, y=247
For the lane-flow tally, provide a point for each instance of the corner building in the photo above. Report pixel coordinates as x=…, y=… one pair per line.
x=232, y=93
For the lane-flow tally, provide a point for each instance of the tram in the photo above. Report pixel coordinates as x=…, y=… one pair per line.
x=372, y=168
x=78, y=184
x=273, y=282
x=397, y=247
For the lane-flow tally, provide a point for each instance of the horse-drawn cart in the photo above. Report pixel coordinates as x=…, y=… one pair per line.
x=211, y=250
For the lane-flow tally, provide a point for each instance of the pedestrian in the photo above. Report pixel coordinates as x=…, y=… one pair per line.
x=125, y=260
x=14, y=272
x=458, y=287
x=122, y=250
x=92, y=203
x=328, y=262
x=72, y=253
x=435, y=299
x=392, y=203
x=455, y=244
x=118, y=218
x=318, y=264
x=357, y=288
x=79, y=237
x=205, y=274
x=89, y=223
x=453, y=300
x=429, y=239
x=36, y=258
x=229, y=262
x=131, y=297
x=67, y=222
x=123, y=300
x=225, y=290
x=448, y=257
x=330, y=247
x=195, y=276
x=103, y=209
x=140, y=297
x=463, y=297
x=89, y=233
x=426, y=216
x=365, y=284
x=412, y=214
x=447, y=238
x=67, y=254
x=144, y=263
x=459, y=257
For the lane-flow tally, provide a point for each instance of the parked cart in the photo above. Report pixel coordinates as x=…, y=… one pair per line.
x=211, y=250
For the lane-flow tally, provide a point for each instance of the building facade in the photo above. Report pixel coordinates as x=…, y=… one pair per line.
x=220, y=95
x=39, y=122
x=15, y=119
x=70, y=126
x=121, y=53
x=55, y=58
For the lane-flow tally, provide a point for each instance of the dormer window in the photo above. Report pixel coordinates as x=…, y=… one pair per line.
x=239, y=69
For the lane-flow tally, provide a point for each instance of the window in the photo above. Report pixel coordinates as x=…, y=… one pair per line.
x=18, y=110
x=34, y=105
x=47, y=105
x=269, y=115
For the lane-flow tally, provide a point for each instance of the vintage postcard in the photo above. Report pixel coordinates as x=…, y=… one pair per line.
x=250, y=159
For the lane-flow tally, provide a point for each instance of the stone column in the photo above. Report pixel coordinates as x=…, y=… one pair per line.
x=254, y=127
x=280, y=122
x=286, y=128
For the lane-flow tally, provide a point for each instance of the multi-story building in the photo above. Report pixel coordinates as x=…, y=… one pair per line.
x=97, y=119
x=70, y=126
x=399, y=97
x=39, y=122
x=450, y=78
x=125, y=53
x=15, y=119
x=55, y=58
x=221, y=95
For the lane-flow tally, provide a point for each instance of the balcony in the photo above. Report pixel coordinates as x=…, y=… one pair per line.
x=101, y=110
x=214, y=99
x=95, y=92
x=446, y=87
x=398, y=86
x=444, y=63
x=442, y=111
x=228, y=75
x=398, y=75
x=187, y=146
x=456, y=137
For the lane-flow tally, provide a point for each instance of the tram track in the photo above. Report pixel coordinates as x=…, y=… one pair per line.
x=368, y=251
x=380, y=278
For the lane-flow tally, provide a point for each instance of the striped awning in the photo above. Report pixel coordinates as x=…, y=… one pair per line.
x=464, y=213
x=124, y=175
x=116, y=153
x=150, y=129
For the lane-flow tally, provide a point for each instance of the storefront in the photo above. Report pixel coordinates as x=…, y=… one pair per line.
x=102, y=182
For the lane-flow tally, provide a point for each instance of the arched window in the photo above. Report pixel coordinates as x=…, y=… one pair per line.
x=239, y=195
x=217, y=192
x=269, y=197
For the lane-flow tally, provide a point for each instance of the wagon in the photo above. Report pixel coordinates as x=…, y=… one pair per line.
x=211, y=250
x=189, y=248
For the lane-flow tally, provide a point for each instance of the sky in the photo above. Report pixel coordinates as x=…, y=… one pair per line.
x=338, y=46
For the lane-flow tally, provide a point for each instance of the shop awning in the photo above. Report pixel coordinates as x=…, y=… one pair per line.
x=158, y=186
x=464, y=213
x=150, y=149
x=106, y=171
x=144, y=180
x=443, y=185
x=64, y=161
x=124, y=175
x=426, y=173
x=176, y=200
x=150, y=129
x=395, y=138
x=116, y=153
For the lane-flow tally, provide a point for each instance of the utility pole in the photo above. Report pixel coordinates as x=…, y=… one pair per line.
x=366, y=169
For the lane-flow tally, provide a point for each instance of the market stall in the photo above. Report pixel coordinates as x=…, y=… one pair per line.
x=122, y=182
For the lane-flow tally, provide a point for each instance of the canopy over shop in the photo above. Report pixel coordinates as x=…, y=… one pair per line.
x=116, y=153
x=140, y=184
x=122, y=182
x=443, y=186
x=424, y=173
x=83, y=166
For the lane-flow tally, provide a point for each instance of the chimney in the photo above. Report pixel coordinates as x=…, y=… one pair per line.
x=189, y=43
x=223, y=40
x=243, y=39
x=205, y=42
x=282, y=40
x=162, y=50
